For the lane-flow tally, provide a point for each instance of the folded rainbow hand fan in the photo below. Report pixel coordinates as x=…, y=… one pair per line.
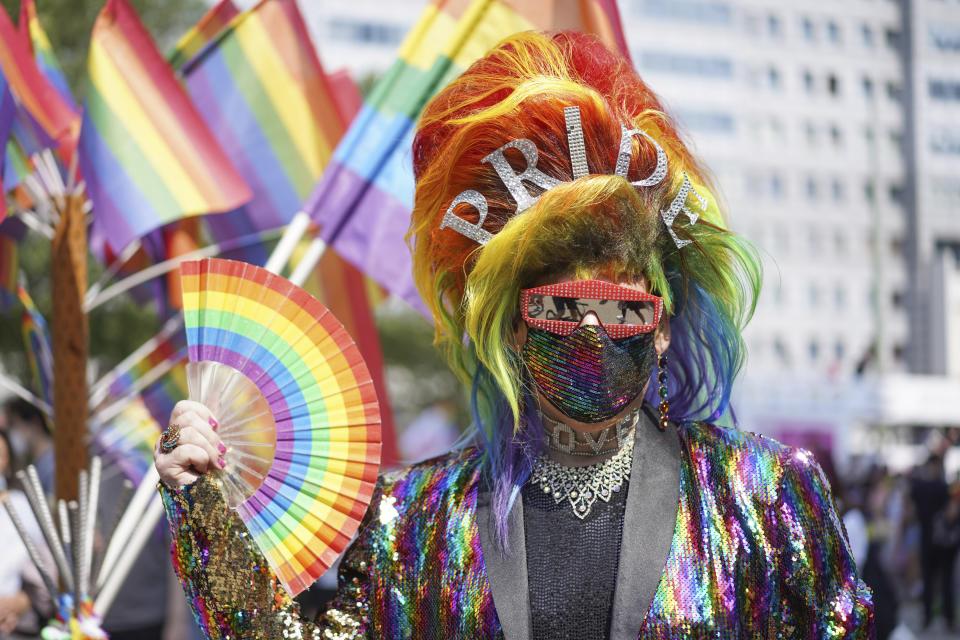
x=297, y=410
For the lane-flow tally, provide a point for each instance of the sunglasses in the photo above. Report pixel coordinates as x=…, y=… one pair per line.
x=560, y=308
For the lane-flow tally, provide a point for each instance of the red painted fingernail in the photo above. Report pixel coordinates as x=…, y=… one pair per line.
x=222, y=448
x=214, y=424
x=221, y=462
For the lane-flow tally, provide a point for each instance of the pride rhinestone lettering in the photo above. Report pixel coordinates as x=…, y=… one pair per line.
x=515, y=182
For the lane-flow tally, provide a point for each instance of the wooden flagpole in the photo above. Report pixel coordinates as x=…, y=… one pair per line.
x=70, y=343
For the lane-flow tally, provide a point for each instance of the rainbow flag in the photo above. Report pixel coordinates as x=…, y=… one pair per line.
x=203, y=33
x=364, y=199
x=145, y=152
x=127, y=441
x=8, y=111
x=46, y=60
x=36, y=340
x=31, y=88
x=11, y=234
x=263, y=92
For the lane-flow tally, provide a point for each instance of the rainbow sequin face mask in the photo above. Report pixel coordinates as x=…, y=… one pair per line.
x=582, y=369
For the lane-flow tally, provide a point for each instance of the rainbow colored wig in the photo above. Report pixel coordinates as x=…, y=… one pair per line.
x=596, y=224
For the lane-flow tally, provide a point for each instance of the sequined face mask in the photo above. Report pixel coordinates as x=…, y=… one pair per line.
x=587, y=375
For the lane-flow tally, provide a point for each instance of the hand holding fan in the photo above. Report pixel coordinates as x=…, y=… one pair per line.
x=296, y=407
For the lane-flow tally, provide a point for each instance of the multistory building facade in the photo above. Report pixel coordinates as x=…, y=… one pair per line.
x=932, y=63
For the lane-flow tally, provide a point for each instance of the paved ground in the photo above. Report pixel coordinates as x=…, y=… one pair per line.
x=912, y=619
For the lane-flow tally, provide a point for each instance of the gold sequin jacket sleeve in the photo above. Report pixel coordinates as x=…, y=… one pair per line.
x=230, y=587
x=822, y=585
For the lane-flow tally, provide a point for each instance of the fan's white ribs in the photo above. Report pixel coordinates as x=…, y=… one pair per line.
x=249, y=470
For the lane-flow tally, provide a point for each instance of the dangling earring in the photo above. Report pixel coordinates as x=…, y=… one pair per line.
x=664, y=404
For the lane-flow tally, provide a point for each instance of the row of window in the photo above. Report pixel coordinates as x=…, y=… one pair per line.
x=362, y=31
x=944, y=90
x=720, y=14
x=819, y=351
x=945, y=37
x=722, y=68
x=945, y=142
x=771, y=185
x=771, y=130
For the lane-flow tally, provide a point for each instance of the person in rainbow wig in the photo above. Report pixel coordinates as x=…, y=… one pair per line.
x=586, y=289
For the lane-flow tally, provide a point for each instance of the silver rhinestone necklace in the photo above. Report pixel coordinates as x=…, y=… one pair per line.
x=581, y=486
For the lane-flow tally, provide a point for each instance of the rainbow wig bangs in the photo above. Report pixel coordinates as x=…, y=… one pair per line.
x=597, y=224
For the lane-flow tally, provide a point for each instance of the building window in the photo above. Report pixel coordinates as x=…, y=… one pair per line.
x=869, y=191
x=809, y=32
x=780, y=349
x=717, y=122
x=867, y=84
x=704, y=12
x=810, y=132
x=945, y=142
x=773, y=78
x=709, y=67
x=894, y=91
x=773, y=26
x=833, y=32
x=836, y=188
x=836, y=136
x=897, y=194
x=839, y=349
x=379, y=33
x=866, y=34
x=840, y=242
x=810, y=186
x=833, y=85
x=839, y=297
x=945, y=38
x=813, y=237
x=892, y=36
x=813, y=348
x=808, y=82
x=944, y=90
x=776, y=186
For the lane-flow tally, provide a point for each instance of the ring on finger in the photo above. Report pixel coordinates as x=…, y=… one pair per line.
x=170, y=438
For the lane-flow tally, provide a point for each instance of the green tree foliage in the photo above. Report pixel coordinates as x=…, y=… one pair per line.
x=68, y=24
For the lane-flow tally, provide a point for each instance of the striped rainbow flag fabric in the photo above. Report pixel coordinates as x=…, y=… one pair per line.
x=36, y=341
x=263, y=92
x=203, y=33
x=12, y=231
x=145, y=152
x=364, y=199
x=8, y=111
x=31, y=88
x=43, y=55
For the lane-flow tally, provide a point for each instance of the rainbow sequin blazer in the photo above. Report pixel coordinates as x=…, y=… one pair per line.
x=737, y=537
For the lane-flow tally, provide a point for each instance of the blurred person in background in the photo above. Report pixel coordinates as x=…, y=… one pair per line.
x=25, y=603
x=30, y=439
x=930, y=493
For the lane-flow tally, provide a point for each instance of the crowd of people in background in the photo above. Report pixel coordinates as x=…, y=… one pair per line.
x=903, y=528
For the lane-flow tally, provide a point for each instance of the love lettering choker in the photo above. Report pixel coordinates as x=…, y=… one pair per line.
x=581, y=487
x=563, y=438
x=514, y=182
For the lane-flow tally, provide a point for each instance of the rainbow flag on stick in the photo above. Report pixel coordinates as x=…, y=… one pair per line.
x=36, y=340
x=262, y=91
x=12, y=231
x=8, y=111
x=145, y=152
x=203, y=33
x=364, y=199
x=36, y=37
x=33, y=90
